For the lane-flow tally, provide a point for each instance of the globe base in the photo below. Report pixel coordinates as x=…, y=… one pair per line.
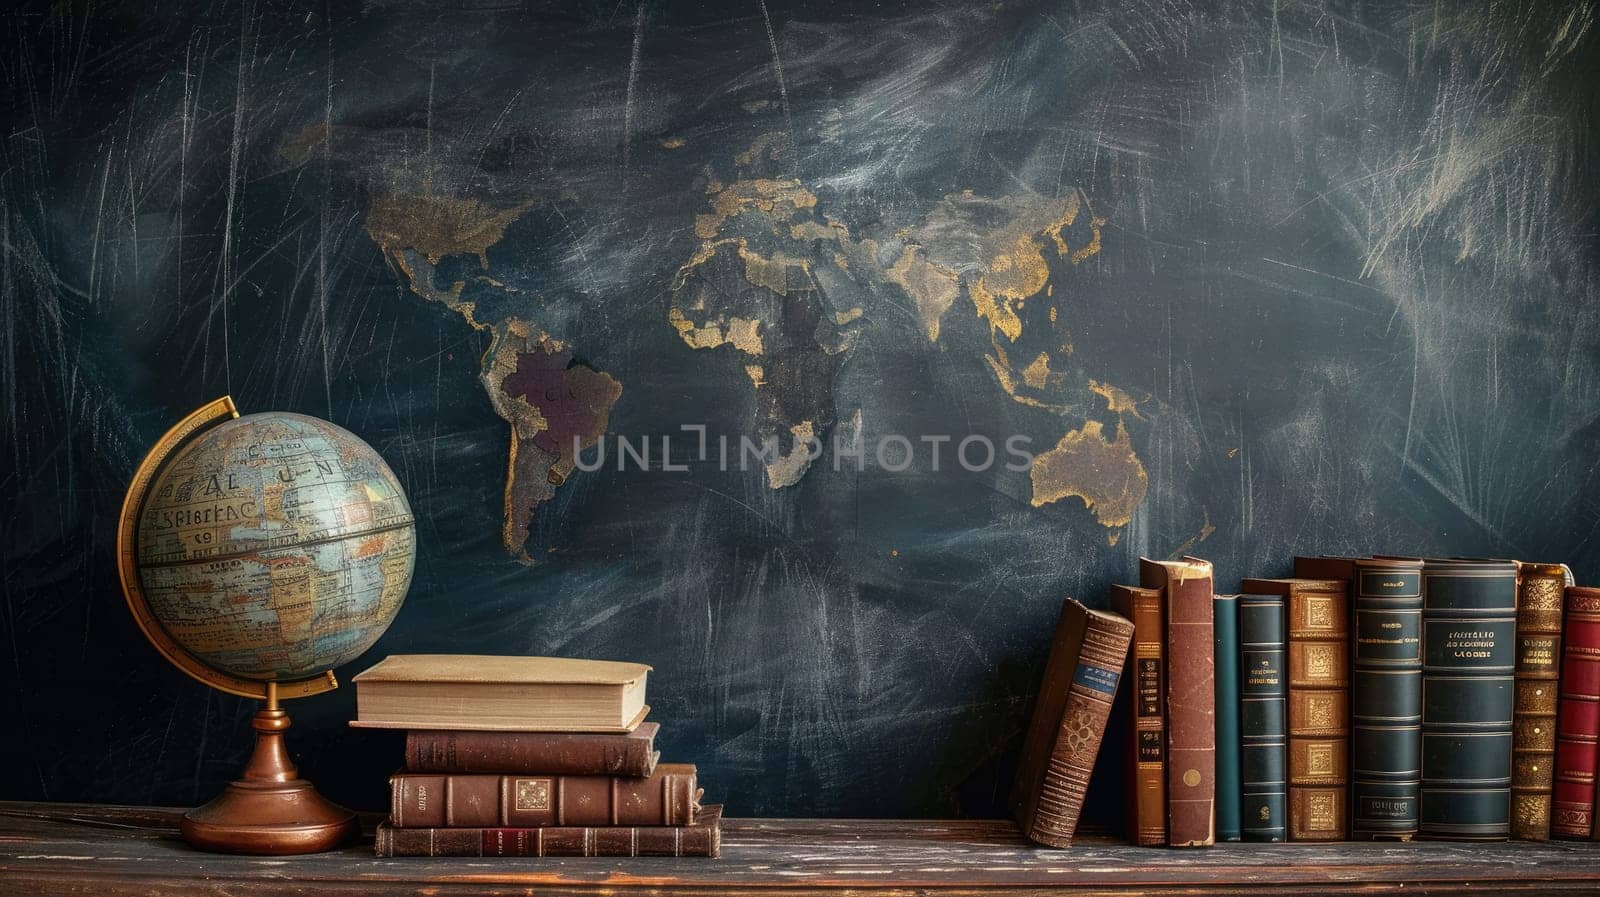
x=270, y=811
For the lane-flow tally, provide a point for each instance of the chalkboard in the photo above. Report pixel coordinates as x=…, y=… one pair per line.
x=1243, y=279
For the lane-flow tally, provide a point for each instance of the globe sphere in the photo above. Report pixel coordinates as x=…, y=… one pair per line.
x=275, y=546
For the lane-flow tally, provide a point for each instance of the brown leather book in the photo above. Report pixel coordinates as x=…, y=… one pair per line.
x=1540, y=588
x=552, y=753
x=701, y=838
x=1319, y=713
x=1069, y=720
x=1147, y=732
x=421, y=800
x=1191, y=698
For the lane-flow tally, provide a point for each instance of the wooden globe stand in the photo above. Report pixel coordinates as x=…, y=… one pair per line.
x=270, y=810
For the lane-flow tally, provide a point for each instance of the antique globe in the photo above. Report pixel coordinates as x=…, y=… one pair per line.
x=257, y=553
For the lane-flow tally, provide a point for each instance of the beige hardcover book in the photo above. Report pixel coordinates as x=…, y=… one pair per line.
x=518, y=694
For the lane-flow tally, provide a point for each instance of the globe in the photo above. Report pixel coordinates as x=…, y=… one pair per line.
x=273, y=547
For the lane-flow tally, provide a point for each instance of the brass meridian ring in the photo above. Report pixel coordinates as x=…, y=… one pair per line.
x=206, y=417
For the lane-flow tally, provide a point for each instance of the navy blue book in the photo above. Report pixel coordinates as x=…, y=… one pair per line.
x=1263, y=734
x=1225, y=617
x=1469, y=623
x=1386, y=698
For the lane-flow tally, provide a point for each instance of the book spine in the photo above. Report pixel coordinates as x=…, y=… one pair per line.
x=1578, y=717
x=1319, y=693
x=1049, y=708
x=1386, y=701
x=627, y=841
x=1225, y=628
x=1191, y=699
x=1469, y=620
x=1083, y=725
x=1147, y=811
x=1533, y=728
x=509, y=753
x=1263, y=739
x=419, y=800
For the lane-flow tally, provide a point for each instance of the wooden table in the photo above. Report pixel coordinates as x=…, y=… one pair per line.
x=48, y=849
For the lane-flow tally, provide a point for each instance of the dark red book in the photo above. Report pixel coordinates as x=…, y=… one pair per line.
x=702, y=838
x=1577, y=717
x=553, y=753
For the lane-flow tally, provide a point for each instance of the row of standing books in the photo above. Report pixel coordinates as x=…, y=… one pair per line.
x=529, y=757
x=1379, y=698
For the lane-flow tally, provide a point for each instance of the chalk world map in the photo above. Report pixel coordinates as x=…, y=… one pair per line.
x=787, y=291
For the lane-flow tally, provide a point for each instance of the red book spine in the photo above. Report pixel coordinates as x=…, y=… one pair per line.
x=1578, y=717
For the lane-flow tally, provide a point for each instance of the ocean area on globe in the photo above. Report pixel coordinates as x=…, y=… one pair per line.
x=275, y=546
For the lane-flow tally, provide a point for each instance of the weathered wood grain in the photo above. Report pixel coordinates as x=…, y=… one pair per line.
x=50, y=849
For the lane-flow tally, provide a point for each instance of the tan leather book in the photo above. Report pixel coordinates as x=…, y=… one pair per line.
x=1069, y=720
x=1540, y=588
x=1191, y=698
x=1319, y=698
x=1147, y=731
x=517, y=694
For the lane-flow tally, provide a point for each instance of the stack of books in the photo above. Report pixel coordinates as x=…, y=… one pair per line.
x=529, y=757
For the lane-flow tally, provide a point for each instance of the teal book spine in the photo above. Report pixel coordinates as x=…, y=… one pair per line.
x=1263, y=733
x=1386, y=699
x=1225, y=620
x=1469, y=621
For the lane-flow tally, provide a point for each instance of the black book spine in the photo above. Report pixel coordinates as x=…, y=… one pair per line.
x=1263, y=736
x=1386, y=701
x=1469, y=621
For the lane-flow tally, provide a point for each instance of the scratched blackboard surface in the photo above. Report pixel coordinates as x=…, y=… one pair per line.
x=1244, y=279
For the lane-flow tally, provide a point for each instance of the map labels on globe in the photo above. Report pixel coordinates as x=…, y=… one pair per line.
x=275, y=546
